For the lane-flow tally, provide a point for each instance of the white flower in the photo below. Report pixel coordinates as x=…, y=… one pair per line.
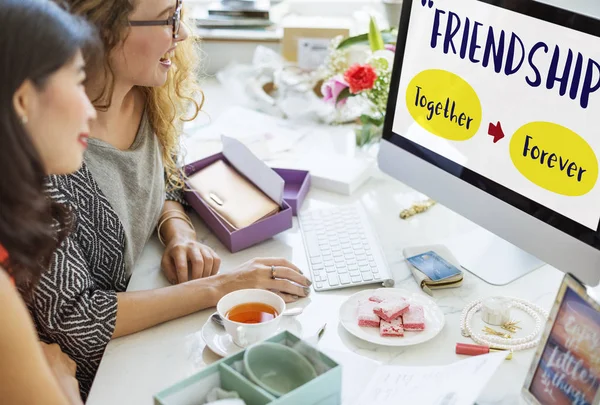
x=384, y=55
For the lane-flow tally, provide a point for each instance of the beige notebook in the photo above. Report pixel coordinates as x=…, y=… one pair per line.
x=237, y=201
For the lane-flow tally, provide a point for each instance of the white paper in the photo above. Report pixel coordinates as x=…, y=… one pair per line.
x=356, y=370
x=460, y=383
x=255, y=170
x=264, y=134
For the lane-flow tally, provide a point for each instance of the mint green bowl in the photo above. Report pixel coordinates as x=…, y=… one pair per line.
x=277, y=368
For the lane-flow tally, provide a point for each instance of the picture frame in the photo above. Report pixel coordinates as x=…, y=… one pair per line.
x=566, y=366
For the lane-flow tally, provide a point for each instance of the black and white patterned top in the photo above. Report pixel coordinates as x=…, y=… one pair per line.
x=75, y=302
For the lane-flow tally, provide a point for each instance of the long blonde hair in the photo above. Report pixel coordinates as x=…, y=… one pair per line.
x=168, y=106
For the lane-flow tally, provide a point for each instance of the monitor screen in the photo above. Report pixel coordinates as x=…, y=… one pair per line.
x=506, y=96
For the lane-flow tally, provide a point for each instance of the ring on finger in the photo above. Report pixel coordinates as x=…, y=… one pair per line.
x=273, y=272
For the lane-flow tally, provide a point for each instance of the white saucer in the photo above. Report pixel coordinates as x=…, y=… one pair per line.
x=434, y=318
x=221, y=343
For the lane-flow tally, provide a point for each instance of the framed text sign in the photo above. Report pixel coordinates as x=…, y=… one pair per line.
x=566, y=367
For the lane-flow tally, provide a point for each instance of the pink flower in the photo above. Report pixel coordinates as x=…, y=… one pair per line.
x=332, y=88
x=360, y=77
x=390, y=47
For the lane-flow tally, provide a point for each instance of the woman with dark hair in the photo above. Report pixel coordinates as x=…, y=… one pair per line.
x=44, y=122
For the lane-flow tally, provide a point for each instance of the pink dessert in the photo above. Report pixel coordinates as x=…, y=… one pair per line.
x=366, y=316
x=414, y=319
x=389, y=310
x=376, y=298
x=392, y=329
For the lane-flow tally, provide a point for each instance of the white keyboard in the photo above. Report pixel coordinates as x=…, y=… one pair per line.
x=342, y=248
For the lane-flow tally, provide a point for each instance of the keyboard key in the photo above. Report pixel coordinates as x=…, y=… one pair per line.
x=344, y=278
x=365, y=269
x=319, y=285
x=367, y=276
x=318, y=266
x=356, y=279
x=328, y=263
x=377, y=276
x=355, y=273
x=362, y=263
x=333, y=279
x=352, y=267
x=375, y=270
x=338, y=253
x=331, y=269
x=340, y=260
x=316, y=260
x=312, y=245
x=342, y=270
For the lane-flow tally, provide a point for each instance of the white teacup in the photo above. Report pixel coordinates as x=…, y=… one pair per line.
x=246, y=334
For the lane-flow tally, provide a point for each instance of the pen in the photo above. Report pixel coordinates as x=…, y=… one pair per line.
x=475, y=350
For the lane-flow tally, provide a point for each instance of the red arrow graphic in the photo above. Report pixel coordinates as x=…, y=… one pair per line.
x=496, y=131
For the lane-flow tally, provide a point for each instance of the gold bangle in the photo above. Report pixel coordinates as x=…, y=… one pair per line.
x=183, y=218
x=169, y=211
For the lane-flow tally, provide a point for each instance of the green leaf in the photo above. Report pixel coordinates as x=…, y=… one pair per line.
x=388, y=36
x=344, y=94
x=375, y=40
x=367, y=119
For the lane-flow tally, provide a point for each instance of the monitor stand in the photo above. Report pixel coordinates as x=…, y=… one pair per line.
x=490, y=257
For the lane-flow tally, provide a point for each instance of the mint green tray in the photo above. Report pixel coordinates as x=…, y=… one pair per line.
x=323, y=390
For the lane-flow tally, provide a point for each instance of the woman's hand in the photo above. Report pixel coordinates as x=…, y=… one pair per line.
x=184, y=256
x=289, y=283
x=64, y=370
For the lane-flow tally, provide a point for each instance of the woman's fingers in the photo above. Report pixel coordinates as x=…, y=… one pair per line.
x=288, y=298
x=181, y=265
x=289, y=274
x=198, y=261
x=287, y=287
x=169, y=269
x=277, y=261
x=216, y=263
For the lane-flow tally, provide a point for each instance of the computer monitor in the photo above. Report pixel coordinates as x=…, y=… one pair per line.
x=494, y=111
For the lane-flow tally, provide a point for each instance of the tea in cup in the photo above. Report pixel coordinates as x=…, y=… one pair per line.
x=251, y=315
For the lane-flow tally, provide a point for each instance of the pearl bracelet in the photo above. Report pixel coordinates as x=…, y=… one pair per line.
x=532, y=340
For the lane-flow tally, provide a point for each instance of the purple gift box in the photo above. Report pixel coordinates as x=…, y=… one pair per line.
x=297, y=183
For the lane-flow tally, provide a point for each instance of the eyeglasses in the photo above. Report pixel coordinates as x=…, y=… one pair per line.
x=175, y=21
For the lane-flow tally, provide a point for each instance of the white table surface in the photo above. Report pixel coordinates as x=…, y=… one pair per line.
x=136, y=367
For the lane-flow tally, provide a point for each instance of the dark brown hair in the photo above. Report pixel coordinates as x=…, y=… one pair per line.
x=37, y=38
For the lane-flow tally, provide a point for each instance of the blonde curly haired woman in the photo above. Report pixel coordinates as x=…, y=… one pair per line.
x=129, y=184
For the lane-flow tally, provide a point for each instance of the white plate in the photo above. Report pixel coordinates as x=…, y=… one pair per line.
x=434, y=318
x=221, y=343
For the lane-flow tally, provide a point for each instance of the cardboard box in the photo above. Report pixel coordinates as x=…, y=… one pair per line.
x=306, y=38
x=326, y=389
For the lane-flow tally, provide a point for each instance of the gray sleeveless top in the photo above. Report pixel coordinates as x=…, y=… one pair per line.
x=133, y=182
